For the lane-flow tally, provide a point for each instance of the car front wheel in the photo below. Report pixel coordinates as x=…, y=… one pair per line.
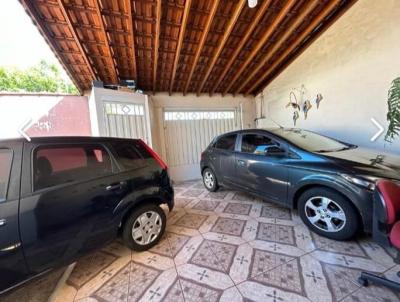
x=328, y=213
x=144, y=227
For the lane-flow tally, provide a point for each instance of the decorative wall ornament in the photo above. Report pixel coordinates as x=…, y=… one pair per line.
x=304, y=104
x=306, y=107
x=296, y=116
x=293, y=101
x=318, y=100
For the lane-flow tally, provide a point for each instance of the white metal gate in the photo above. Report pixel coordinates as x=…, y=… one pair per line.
x=125, y=120
x=188, y=133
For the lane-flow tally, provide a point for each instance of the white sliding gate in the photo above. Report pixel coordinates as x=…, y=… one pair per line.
x=125, y=120
x=188, y=133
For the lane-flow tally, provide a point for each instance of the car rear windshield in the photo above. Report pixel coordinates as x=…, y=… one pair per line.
x=5, y=167
x=311, y=141
x=58, y=164
x=130, y=155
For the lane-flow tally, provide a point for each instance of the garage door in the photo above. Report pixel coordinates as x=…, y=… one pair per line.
x=125, y=120
x=188, y=133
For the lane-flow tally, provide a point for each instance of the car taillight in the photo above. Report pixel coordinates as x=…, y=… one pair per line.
x=153, y=153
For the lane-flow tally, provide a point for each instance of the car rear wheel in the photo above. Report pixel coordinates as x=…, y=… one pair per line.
x=144, y=228
x=328, y=213
x=210, y=180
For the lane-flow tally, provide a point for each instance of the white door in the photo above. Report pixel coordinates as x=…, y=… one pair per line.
x=187, y=135
x=125, y=120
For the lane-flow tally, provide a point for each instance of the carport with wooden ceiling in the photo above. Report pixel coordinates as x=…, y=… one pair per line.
x=198, y=64
x=202, y=46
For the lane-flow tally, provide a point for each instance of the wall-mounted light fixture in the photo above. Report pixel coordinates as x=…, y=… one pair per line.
x=252, y=3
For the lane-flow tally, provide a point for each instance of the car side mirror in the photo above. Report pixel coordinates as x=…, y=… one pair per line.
x=274, y=151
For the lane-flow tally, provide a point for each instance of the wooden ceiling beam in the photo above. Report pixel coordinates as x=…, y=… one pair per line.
x=48, y=36
x=300, y=38
x=203, y=38
x=108, y=47
x=185, y=18
x=228, y=31
x=267, y=34
x=156, y=44
x=310, y=6
x=256, y=21
x=132, y=38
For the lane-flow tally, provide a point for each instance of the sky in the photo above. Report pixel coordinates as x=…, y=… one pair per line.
x=21, y=44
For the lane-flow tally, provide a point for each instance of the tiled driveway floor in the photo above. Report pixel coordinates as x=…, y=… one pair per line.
x=228, y=246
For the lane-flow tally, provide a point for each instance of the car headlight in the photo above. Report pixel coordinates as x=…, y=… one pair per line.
x=361, y=181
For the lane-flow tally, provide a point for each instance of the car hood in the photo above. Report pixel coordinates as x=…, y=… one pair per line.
x=368, y=162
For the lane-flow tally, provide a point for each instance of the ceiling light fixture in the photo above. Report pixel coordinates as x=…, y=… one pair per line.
x=252, y=3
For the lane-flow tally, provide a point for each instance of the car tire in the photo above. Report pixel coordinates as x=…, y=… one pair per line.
x=144, y=227
x=210, y=180
x=328, y=213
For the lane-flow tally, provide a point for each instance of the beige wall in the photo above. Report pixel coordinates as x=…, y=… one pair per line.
x=160, y=101
x=352, y=65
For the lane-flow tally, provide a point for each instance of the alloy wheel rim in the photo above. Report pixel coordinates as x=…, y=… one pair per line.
x=325, y=214
x=146, y=228
x=208, y=179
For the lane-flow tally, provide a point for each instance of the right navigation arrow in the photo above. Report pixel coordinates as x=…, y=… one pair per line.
x=380, y=130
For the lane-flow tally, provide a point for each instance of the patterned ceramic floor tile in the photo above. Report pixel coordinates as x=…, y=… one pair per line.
x=350, y=248
x=276, y=233
x=206, y=205
x=241, y=196
x=217, y=195
x=276, y=212
x=237, y=208
x=192, y=221
x=229, y=226
x=192, y=193
x=231, y=246
x=88, y=267
x=182, y=202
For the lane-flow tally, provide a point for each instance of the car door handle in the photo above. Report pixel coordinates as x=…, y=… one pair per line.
x=241, y=162
x=117, y=186
x=3, y=222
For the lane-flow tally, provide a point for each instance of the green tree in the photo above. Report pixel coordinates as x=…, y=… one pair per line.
x=43, y=77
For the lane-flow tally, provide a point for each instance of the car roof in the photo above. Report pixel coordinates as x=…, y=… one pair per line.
x=66, y=139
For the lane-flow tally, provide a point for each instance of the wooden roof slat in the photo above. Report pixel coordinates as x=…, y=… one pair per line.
x=261, y=11
x=310, y=6
x=315, y=22
x=224, y=39
x=156, y=44
x=267, y=34
x=132, y=37
x=210, y=19
x=185, y=18
x=108, y=47
x=75, y=35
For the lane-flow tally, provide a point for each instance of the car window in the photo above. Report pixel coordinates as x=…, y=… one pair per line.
x=5, y=169
x=256, y=143
x=129, y=156
x=55, y=165
x=226, y=142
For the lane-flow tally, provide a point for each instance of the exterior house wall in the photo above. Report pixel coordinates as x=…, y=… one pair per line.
x=44, y=115
x=352, y=65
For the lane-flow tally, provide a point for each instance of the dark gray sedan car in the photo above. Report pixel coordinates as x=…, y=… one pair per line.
x=330, y=182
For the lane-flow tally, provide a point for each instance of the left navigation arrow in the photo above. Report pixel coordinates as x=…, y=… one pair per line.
x=23, y=127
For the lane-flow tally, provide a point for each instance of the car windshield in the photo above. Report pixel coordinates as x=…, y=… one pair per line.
x=313, y=142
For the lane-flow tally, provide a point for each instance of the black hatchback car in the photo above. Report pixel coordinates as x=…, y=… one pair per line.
x=61, y=198
x=330, y=182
